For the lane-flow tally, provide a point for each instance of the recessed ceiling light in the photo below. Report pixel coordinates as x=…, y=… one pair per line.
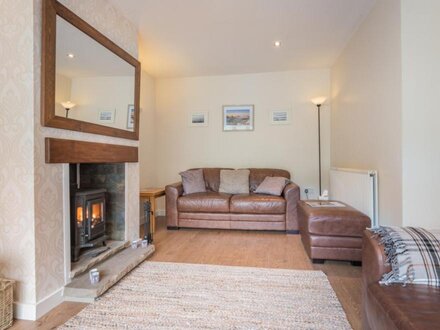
x=70, y=55
x=277, y=43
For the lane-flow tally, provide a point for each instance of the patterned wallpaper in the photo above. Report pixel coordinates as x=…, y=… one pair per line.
x=31, y=227
x=17, y=241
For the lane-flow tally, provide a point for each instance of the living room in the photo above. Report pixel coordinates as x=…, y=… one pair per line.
x=192, y=64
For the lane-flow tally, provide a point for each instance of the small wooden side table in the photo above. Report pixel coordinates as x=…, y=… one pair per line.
x=151, y=194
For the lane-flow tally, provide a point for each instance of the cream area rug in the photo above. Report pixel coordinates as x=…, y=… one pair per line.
x=159, y=295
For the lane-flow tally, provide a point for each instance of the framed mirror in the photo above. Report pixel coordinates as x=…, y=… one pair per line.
x=89, y=84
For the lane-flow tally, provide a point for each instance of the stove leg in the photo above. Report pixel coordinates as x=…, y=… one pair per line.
x=75, y=253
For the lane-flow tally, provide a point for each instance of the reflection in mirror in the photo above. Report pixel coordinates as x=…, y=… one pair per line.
x=92, y=84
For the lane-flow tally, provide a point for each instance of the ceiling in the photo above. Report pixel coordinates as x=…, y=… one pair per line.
x=216, y=37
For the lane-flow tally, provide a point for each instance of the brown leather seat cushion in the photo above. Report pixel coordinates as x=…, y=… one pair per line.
x=258, y=204
x=334, y=221
x=409, y=307
x=206, y=202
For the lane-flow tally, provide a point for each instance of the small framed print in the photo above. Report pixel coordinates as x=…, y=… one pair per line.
x=280, y=117
x=130, y=116
x=199, y=119
x=238, y=118
x=107, y=116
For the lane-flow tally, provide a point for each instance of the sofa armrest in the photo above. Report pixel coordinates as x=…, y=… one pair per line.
x=373, y=259
x=291, y=194
x=373, y=267
x=172, y=192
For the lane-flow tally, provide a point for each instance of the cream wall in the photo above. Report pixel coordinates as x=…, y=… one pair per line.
x=96, y=94
x=292, y=147
x=421, y=116
x=63, y=93
x=147, y=131
x=366, y=105
x=93, y=95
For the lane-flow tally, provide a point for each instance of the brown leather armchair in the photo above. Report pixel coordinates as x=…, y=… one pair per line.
x=212, y=209
x=414, y=306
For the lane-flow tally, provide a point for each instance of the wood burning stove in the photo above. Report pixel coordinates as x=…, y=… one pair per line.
x=88, y=220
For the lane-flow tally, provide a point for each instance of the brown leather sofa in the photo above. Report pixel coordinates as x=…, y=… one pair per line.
x=212, y=209
x=413, y=306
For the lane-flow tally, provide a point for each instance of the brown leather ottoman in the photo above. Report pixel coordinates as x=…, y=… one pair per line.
x=333, y=233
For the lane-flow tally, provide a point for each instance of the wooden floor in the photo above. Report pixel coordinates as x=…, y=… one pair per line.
x=235, y=248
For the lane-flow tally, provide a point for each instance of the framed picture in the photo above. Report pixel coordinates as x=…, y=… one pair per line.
x=107, y=116
x=280, y=117
x=238, y=118
x=130, y=116
x=198, y=119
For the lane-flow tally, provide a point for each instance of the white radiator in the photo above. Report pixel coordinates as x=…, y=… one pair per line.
x=357, y=188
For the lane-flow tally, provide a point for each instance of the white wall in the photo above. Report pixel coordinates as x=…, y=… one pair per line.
x=421, y=116
x=292, y=147
x=366, y=105
x=63, y=93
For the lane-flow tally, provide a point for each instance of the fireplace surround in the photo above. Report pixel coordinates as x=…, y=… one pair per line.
x=121, y=180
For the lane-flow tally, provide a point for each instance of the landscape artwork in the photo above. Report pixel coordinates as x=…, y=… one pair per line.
x=198, y=119
x=107, y=116
x=280, y=117
x=238, y=118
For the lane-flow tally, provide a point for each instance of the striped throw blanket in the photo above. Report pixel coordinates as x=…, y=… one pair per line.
x=413, y=253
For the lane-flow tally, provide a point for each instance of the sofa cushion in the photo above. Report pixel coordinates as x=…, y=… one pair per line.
x=192, y=181
x=234, y=181
x=206, y=202
x=258, y=204
x=212, y=178
x=257, y=175
x=272, y=185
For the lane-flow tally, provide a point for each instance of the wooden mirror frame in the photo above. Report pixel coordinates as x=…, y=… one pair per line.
x=52, y=9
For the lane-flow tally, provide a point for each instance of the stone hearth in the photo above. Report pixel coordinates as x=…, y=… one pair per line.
x=111, y=271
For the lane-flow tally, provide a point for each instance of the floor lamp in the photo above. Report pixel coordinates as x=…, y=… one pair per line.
x=67, y=106
x=319, y=101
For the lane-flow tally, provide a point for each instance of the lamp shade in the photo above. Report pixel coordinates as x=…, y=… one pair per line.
x=68, y=104
x=319, y=100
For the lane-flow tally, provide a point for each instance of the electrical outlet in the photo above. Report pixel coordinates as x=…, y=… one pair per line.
x=308, y=191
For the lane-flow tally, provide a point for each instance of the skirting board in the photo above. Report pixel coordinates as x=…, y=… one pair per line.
x=34, y=312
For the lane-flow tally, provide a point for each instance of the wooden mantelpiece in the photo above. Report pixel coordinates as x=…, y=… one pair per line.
x=71, y=151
